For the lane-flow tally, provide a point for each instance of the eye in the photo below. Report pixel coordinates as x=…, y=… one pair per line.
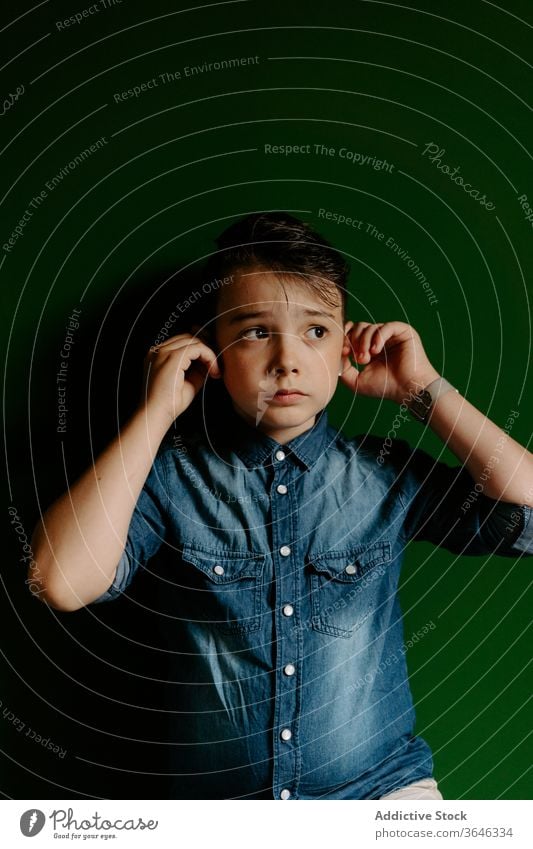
x=320, y=329
x=250, y=333
x=258, y=333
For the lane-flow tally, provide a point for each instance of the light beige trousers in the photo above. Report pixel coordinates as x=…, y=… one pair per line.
x=426, y=788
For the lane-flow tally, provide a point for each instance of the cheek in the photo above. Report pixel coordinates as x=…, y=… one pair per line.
x=234, y=356
x=239, y=366
x=330, y=358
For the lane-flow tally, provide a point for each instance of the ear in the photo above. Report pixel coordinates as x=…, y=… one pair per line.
x=203, y=333
x=346, y=347
x=208, y=339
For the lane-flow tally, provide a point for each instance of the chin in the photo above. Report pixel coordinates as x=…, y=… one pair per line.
x=280, y=416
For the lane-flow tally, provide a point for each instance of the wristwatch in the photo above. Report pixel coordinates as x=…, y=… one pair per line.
x=421, y=404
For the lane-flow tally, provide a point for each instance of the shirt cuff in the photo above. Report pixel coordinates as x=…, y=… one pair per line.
x=513, y=524
x=120, y=581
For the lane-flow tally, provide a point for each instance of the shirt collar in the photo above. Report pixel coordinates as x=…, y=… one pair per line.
x=254, y=447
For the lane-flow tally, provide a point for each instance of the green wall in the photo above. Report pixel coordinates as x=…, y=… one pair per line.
x=123, y=230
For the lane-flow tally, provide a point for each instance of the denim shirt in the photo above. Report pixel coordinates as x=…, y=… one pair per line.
x=277, y=574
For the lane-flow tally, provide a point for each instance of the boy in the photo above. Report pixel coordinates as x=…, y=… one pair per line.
x=282, y=538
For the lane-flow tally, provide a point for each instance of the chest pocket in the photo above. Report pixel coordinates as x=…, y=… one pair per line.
x=222, y=589
x=347, y=587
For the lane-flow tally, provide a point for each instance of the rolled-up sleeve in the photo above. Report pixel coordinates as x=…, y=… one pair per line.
x=146, y=532
x=444, y=505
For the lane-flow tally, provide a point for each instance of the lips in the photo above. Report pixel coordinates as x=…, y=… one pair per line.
x=289, y=392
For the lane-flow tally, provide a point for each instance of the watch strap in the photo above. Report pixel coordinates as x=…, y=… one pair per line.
x=422, y=403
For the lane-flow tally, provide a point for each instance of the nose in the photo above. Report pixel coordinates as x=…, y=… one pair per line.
x=285, y=355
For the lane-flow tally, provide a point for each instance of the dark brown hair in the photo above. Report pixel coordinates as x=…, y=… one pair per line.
x=283, y=244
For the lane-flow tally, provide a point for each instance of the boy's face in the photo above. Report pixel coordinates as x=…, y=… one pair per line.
x=270, y=343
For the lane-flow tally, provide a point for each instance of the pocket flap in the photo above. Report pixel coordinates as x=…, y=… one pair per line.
x=224, y=566
x=351, y=564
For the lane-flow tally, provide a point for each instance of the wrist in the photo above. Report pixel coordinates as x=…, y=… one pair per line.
x=415, y=384
x=155, y=420
x=423, y=402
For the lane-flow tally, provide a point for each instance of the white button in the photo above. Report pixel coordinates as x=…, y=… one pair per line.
x=285, y=550
x=288, y=609
x=282, y=489
x=286, y=734
x=351, y=569
x=218, y=569
x=290, y=669
x=285, y=794
x=280, y=455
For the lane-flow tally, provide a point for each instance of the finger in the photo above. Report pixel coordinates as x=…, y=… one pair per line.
x=179, y=337
x=179, y=341
x=379, y=337
x=397, y=331
x=357, y=329
x=196, y=349
x=368, y=335
x=198, y=353
x=169, y=346
x=352, y=337
x=189, y=352
x=361, y=327
x=364, y=340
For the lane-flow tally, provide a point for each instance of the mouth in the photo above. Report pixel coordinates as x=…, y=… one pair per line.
x=288, y=396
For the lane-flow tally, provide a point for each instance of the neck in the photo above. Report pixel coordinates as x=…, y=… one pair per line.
x=278, y=434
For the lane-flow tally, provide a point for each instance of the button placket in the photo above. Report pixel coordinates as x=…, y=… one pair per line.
x=284, y=513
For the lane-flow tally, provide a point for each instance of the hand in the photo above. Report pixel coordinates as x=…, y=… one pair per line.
x=396, y=363
x=175, y=371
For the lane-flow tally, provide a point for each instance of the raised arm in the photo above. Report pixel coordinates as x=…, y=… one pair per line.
x=396, y=367
x=79, y=540
x=500, y=466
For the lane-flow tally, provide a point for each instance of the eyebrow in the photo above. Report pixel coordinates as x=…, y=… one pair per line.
x=245, y=316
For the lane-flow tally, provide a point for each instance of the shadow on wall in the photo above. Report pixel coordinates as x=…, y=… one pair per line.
x=103, y=381
x=91, y=683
